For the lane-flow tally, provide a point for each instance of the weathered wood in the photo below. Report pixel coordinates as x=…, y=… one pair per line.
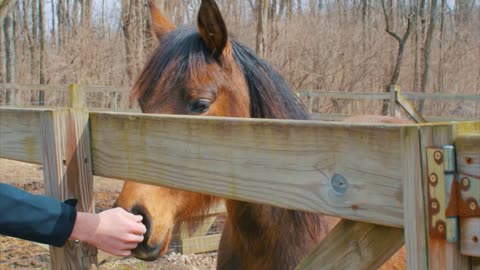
x=470, y=236
x=440, y=96
x=279, y=162
x=68, y=174
x=442, y=255
x=413, y=194
x=408, y=107
x=467, y=145
x=354, y=245
x=20, y=134
x=476, y=263
x=345, y=95
x=200, y=244
x=468, y=154
x=77, y=97
x=28, y=87
x=340, y=117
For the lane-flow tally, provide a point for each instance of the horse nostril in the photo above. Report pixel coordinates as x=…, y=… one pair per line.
x=140, y=210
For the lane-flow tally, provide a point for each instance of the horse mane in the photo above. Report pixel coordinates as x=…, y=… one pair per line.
x=183, y=50
x=270, y=95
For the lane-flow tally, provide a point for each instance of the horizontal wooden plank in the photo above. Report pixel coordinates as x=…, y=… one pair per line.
x=440, y=96
x=96, y=88
x=25, y=87
x=285, y=163
x=200, y=244
x=20, y=136
x=340, y=117
x=345, y=95
x=470, y=236
x=384, y=96
x=354, y=245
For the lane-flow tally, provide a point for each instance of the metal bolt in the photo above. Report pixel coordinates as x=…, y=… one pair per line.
x=437, y=155
x=465, y=182
x=433, y=178
x=434, y=205
x=472, y=206
x=441, y=228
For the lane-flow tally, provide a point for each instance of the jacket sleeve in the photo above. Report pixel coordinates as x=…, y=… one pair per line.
x=35, y=217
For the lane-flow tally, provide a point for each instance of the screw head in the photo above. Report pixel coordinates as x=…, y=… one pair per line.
x=473, y=206
x=433, y=178
x=441, y=228
x=437, y=156
x=465, y=182
x=435, y=205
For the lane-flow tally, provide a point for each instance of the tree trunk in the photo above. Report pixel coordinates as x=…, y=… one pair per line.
x=10, y=57
x=53, y=33
x=61, y=22
x=5, y=6
x=42, y=79
x=427, y=50
x=401, y=49
x=34, y=63
x=129, y=38
x=262, y=11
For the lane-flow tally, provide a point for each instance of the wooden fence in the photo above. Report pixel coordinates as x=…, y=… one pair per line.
x=117, y=99
x=376, y=176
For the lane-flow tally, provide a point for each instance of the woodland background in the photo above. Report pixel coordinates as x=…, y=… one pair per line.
x=324, y=45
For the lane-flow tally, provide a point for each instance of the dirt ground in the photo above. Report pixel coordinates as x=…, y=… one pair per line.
x=20, y=254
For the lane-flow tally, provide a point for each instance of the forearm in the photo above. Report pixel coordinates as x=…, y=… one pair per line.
x=35, y=217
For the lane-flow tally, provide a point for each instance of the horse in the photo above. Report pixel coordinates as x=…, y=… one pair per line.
x=205, y=71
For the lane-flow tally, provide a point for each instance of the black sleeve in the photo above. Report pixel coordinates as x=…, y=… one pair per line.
x=35, y=217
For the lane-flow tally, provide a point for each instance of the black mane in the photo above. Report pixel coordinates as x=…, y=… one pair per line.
x=183, y=49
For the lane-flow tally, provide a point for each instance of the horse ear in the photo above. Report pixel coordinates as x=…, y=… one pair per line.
x=160, y=24
x=212, y=28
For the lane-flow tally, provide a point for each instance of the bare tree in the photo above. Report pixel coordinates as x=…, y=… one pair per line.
x=5, y=6
x=262, y=26
x=401, y=49
x=427, y=52
x=42, y=79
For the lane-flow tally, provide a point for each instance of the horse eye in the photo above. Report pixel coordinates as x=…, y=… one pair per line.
x=200, y=105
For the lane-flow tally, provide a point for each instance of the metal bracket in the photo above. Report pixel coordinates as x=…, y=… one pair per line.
x=450, y=196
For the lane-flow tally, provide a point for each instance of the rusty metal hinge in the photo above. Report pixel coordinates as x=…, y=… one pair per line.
x=450, y=195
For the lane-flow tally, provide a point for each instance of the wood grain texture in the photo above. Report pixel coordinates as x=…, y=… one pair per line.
x=415, y=215
x=354, y=245
x=442, y=255
x=470, y=236
x=279, y=162
x=467, y=147
x=68, y=174
x=476, y=263
x=20, y=134
x=200, y=244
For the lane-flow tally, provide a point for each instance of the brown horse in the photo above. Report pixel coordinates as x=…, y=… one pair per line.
x=204, y=71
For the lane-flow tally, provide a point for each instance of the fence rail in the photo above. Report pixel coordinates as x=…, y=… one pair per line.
x=372, y=173
x=118, y=99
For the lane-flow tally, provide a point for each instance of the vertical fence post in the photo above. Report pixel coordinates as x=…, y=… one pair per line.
x=393, y=99
x=68, y=173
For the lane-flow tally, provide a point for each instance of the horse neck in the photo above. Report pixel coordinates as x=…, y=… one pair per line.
x=283, y=236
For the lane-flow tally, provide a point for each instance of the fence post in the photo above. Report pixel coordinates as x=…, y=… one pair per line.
x=393, y=99
x=68, y=174
x=76, y=97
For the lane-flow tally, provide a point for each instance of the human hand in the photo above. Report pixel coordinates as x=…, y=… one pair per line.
x=114, y=231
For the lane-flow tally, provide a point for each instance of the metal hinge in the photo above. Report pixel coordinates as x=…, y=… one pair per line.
x=450, y=195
